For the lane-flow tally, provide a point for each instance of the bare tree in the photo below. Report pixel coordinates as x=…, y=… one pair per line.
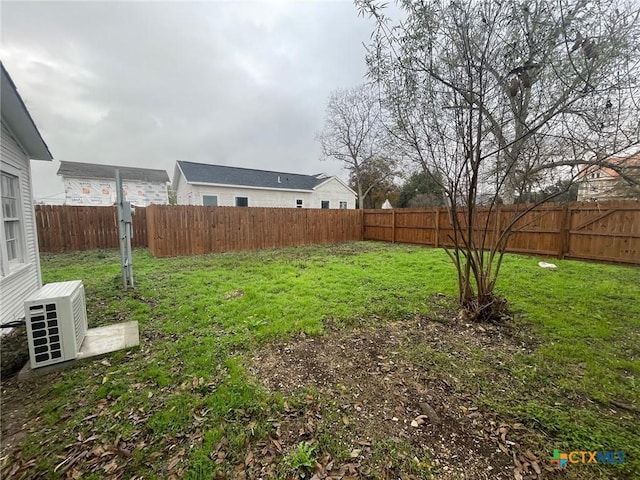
x=499, y=98
x=379, y=175
x=354, y=134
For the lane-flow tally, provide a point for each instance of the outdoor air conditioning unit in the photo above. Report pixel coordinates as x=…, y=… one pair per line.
x=56, y=318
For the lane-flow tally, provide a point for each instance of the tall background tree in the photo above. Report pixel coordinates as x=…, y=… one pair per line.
x=494, y=99
x=421, y=189
x=379, y=175
x=354, y=134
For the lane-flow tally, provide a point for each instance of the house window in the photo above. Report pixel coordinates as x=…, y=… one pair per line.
x=299, y=203
x=210, y=200
x=11, y=217
x=343, y=205
x=324, y=204
x=242, y=202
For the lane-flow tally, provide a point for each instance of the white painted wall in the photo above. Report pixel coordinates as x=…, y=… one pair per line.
x=257, y=198
x=332, y=190
x=184, y=194
x=85, y=191
x=21, y=279
x=335, y=192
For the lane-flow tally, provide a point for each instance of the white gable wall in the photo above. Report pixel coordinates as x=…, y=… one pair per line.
x=184, y=194
x=335, y=192
x=22, y=278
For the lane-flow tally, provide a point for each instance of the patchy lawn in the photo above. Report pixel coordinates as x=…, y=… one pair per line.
x=345, y=361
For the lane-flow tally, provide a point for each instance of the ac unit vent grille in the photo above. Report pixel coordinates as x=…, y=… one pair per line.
x=45, y=332
x=78, y=317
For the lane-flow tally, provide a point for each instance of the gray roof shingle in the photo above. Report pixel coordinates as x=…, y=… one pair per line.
x=222, y=175
x=92, y=170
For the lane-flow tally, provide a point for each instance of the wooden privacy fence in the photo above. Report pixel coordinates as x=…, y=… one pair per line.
x=193, y=230
x=589, y=231
x=71, y=228
x=608, y=231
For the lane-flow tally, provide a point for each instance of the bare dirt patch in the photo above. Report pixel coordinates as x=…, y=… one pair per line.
x=16, y=413
x=391, y=397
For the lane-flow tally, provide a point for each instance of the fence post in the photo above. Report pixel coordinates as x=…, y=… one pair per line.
x=497, y=227
x=150, y=217
x=393, y=226
x=565, y=226
x=436, y=211
x=362, y=218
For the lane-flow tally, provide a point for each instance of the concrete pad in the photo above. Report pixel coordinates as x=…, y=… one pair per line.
x=103, y=340
x=98, y=342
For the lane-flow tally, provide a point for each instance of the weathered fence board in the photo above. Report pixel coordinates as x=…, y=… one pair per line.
x=608, y=231
x=590, y=231
x=72, y=228
x=193, y=230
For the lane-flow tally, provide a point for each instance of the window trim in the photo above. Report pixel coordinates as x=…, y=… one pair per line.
x=10, y=266
x=327, y=202
x=344, y=205
x=299, y=203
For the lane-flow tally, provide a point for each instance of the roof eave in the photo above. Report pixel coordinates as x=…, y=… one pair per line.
x=64, y=170
x=250, y=187
x=177, y=172
x=20, y=122
x=93, y=177
x=339, y=181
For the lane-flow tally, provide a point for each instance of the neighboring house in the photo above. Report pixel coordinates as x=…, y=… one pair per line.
x=19, y=255
x=94, y=184
x=603, y=183
x=217, y=185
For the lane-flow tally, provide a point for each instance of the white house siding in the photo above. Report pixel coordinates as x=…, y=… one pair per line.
x=335, y=192
x=257, y=198
x=332, y=191
x=21, y=280
x=102, y=192
x=183, y=191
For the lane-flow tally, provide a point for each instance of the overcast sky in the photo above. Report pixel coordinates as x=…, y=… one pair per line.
x=146, y=84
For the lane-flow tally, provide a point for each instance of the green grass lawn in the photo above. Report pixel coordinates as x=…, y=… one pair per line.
x=186, y=390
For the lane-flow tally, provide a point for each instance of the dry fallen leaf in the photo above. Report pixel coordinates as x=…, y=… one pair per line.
x=517, y=474
x=536, y=467
x=249, y=458
x=111, y=467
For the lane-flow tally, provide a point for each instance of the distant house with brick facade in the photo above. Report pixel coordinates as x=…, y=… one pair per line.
x=605, y=183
